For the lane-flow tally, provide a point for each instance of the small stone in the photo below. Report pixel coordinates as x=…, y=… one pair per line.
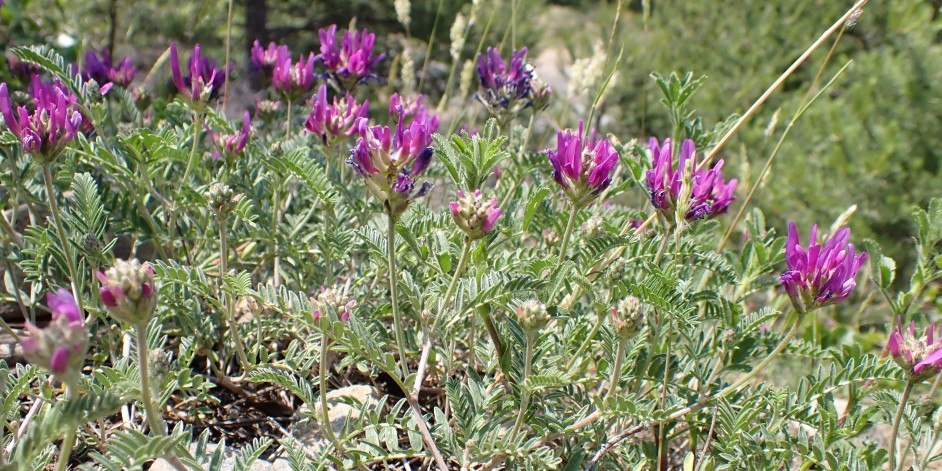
x=305, y=424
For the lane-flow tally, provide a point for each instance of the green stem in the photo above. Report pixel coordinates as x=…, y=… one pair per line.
x=225, y=88
x=69, y=440
x=616, y=370
x=60, y=231
x=394, y=294
x=197, y=124
x=227, y=300
x=154, y=419
x=495, y=337
x=446, y=301
x=735, y=386
x=568, y=233
x=896, y=421
x=585, y=344
x=525, y=398
x=322, y=376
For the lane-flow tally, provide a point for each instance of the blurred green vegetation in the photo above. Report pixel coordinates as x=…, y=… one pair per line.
x=872, y=140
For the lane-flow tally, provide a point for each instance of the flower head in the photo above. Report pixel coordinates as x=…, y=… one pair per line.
x=390, y=161
x=98, y=67
x=61, y=346
x=264, y=61
x=332, y=301
x=583, y=167
x=628, y=317
x=222, y=200
x=351, y=62
x=337, y=119
x=710, y=194
x=205, y=79
x=532, y=315
x=920, y=358
x=47, y=130
x=820, y=275
x=231, y=145
x=474, y=215
x=414, y=109
x=128, y=291
x=293, y=79
x=509, y=88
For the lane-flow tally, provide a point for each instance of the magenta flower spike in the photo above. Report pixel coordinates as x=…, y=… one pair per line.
x=128, y=291
x=351, y=62
x=475, y=215
x=413, y=109
x=710, y=196
x=47, y=130
x=265, y=60
x=331, y=120
x=98, y=67
x=390, y=161
x=583, y=167
x=61, y=346
x=230, y=146
x=820, y=275
x=293, y=79
x=204, y=81
x=920, y=358
x=509, y=88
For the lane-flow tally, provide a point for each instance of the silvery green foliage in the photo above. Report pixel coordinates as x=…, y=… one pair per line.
x=708, y=318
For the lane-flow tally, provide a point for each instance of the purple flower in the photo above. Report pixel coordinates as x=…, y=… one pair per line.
x=413, y=108
x=820, y=275
x=711, y=195
x=509, y=88
x=23, y=70
x=474, y=215
x=332, y=300
x=205, y=79
x=583, y=167
x=231, y=145
x=98, y=67
x=265, y=60
x=61, y=346
x=48, y=129
x=351, y=62
x=332, y=120
x=920, y=358
x=390, y=161
x=128, y=291
x=293, y=80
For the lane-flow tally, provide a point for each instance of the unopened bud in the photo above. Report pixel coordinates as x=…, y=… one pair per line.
x=628, y=317
x=332, y=300
x=128, y=291
x=532, y=315
x=474, y=215
x=222, y=200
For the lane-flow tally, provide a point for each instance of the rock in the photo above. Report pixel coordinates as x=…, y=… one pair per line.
x=304, y=425
x=228, y=461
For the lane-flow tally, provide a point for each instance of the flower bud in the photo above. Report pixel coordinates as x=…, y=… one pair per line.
x=920, y=358
x=61, y=346
x=332, y=300
x=593, y=227
x=222, y=200
x=628, y=317
x=128, y=291
x=532, y=315
x=474, y=215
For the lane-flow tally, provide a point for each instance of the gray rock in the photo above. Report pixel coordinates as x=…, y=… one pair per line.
x=304, y=425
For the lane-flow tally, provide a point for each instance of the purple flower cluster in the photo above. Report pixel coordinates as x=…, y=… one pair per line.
x=352, y=61
x=229, y=146
x=293, y=79
x=710, y=194
x=61, y=346
x=475, y=215
x=128, y=291
x=98, y=67
x=920, y=358
x=509, y=88
x=391, y=161
x=330, y=120
x=54, y=121
x=414, y=109
x=264, y=61
x=205, y=79
x=820, y=275
x=583, y=167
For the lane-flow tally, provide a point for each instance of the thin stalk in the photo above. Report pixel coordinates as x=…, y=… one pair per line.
x=446, y=301
x=225, y=87
x=431, y=42
x=227, y=300
x=585, y=344
x=276, y=209
x=568, y=233
x=197, y=124
x=60, y=231
x=525, y=399
x=69, y=440
x=896, y=421
x=662, y=440
x=154, y=419
x=616, y=371
x=735, y=386
x=394, y=294
x=322, y=376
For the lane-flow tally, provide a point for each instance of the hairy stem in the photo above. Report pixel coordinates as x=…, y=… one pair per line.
x=585, y=344
x=227, y=300
x=616, y=370
x=525, y=395
x=69, y=440
x=191, y=161
x=394, y=294
x=154, y=419
x=60, y=231
x=894, y=433
x=568, y=233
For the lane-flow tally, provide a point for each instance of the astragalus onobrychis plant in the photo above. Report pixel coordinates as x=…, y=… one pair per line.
x=510, y=295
